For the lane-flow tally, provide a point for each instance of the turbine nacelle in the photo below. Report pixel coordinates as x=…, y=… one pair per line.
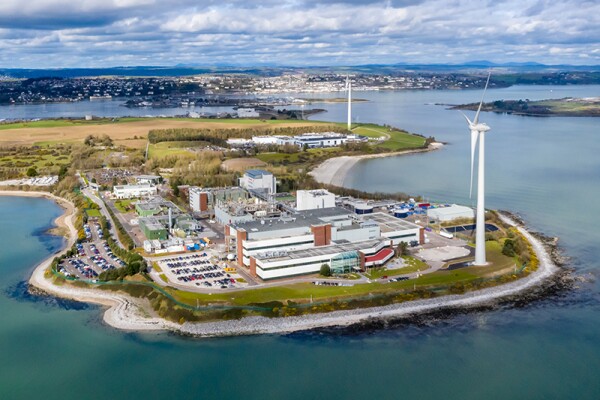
x=480, y=127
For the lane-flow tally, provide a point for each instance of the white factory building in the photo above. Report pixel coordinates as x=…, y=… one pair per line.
x=258, y=179
x=148, y=179
x=327, y=139
x=313, y=199
x=132, y=191
x=273, y=140
x=301, y=242
x=310, y=140
x=444, y=214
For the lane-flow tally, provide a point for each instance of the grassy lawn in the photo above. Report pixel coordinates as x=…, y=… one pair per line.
x=156, y=267
x=496, y=260
x=164, y=149
x=122, y=205
x=93, y=213
x=402, y=141
x=54, y=123
x=411, y=265
x=395, y=140
x=304, y=291
x=372, y=131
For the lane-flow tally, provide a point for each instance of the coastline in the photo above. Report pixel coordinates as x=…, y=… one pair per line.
x=333, y=171
x=127, y=313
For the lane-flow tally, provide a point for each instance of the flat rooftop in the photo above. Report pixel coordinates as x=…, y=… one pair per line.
x=133, y=187
x=296, y=220
x=257, y=173
x=318, y=251
x=151, y=223
x=389, y=223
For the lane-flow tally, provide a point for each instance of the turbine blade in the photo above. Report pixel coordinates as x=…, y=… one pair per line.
x=467, y=118
x=474, y=138
x=476, y=120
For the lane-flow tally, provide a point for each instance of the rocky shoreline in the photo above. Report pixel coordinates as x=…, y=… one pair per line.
x=127, y=313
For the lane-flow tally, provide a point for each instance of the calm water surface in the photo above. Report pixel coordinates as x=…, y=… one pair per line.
x=545, y=169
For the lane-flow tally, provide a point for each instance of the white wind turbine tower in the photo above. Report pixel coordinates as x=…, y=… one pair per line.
x=349, y=89
x=478, y=134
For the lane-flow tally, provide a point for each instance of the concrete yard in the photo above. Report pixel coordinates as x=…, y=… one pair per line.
x=443, y=253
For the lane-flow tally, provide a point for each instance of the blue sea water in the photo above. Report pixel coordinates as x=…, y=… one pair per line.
x=547, y=170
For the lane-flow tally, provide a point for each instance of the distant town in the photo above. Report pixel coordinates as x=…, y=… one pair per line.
x=221, y=90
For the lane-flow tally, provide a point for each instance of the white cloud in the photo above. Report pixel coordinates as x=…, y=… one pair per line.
x=50, y=33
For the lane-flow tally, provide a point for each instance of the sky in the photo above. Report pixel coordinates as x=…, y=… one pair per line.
x=105, y=33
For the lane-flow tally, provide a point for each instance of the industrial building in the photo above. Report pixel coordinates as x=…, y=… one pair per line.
x=444, y=214
x=314, y=199
x=233, y=212
x=277, y=140
x=310, y=140
x=152, y=228
x=133, y=191
x=280, y=247
x=341, y=258
x=147, y=209
x=327, y=139
x=148, y=179
x=205, y=199
x=259, y=180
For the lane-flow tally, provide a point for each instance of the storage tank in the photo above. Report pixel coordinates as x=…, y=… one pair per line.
x=363, y=208
x=401, y=213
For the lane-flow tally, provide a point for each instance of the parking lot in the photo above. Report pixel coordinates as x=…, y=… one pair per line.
x=93, y=256
x=199, y=270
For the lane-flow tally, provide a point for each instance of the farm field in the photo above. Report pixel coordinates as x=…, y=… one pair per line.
x=123, y=131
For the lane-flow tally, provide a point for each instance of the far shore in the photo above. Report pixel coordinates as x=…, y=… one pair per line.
x=333, y=171
x=127, y=313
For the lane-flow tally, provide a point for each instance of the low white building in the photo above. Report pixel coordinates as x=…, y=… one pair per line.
x=443, y=214
x=132, y=191
x=147, y=179
x=277, y=140
x=238, y=142
x=314, y=199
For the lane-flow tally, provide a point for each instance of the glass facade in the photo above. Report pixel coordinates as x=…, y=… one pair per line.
x=345, y=262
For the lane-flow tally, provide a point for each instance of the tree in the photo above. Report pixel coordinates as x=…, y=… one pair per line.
x=402, y=248
x=325, y=270
x=509, y=248
x=31, y=172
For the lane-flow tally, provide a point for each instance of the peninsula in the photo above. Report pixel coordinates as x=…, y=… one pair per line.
x=565, y=107
x=198, y=241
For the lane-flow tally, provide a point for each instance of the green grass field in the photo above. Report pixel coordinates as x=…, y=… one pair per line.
x=53, y=123
x=122, y=205
x=93, y=213
x=394, y=140
x=411, y=265
x=304, y=291
x=164, y=149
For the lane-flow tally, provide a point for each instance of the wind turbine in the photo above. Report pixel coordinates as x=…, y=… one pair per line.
x=349, y=89
x=478, y=131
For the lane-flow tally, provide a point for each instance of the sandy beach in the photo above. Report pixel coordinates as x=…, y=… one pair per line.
x=123, y=312
x=334, y=170
x=128, y=313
